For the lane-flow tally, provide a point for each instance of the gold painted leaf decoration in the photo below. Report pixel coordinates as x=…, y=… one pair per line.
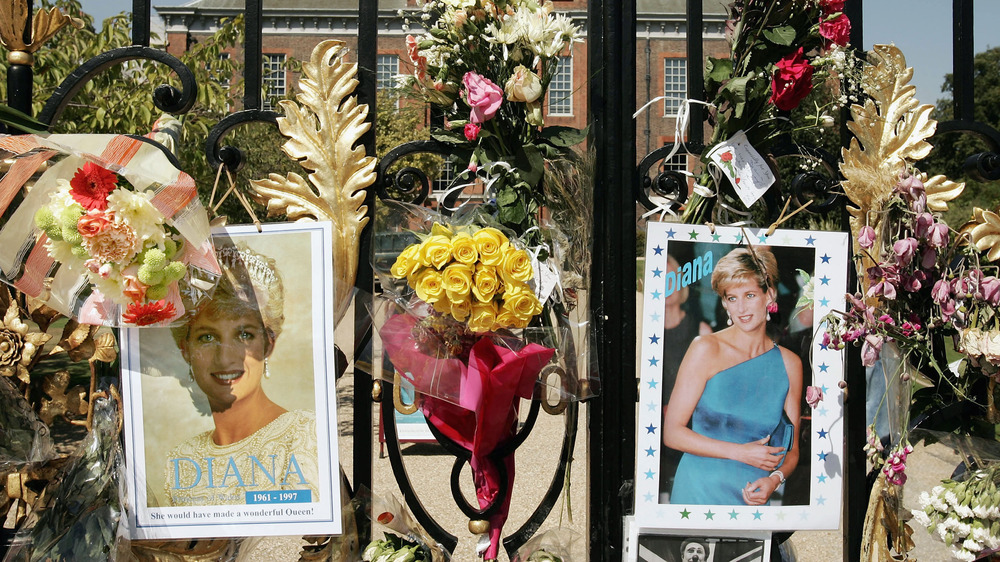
x=940, y=191
x=44, y=24
x=324, y=129
x=890, y=129
x=984, y=230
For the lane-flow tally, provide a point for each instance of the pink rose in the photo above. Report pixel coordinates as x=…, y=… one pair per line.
x=814, y=395
x=836, y=30
x=483, y=96
x=866, y=238
x=472, y=131
x=92, y=223
x=792, y=81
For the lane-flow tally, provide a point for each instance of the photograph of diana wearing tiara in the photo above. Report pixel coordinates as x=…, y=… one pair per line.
x=256, y=444
x=734, y=409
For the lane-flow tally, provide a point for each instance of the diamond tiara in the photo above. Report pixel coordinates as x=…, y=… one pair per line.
x=257, y=267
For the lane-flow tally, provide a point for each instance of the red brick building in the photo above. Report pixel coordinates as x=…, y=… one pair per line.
x=293, y=27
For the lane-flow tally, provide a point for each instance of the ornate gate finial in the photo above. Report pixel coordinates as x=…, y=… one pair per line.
x=14, y=21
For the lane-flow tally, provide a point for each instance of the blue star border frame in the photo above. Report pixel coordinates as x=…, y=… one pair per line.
x=825, y=465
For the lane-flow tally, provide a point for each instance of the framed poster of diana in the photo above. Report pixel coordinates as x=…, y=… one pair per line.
x=231, y=426
x=726, y=436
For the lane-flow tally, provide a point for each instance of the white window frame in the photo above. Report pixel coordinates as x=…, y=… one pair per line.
x=273, y=77
x=674, y=84
x=561, y=88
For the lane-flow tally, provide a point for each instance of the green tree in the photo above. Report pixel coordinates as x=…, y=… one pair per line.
x=119, y=99
x=951, y=150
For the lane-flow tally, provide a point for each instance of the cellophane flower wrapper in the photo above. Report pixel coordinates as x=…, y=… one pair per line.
x=103, y=228
x=395, y=529
x=963, y=510
x=553, y=545
x=429, y=343
x=81, y=518
x=24, y=438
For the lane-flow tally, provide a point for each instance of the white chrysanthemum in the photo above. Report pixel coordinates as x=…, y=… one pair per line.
x=962, y=554
x=134, y=209
x=951, y=498
x=111, y=287
x=60, y=197
x=62, y=252
x=971, y=545
x=920, y=517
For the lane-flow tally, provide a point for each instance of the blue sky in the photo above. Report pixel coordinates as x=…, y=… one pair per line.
x=921, y=28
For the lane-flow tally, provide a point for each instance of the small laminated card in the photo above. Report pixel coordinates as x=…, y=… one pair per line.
x=746, y=169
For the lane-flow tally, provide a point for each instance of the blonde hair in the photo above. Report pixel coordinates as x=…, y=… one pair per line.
x=743, y=264
x=250, y=284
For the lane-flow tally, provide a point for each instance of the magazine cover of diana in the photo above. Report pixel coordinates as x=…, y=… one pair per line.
x=230, y=421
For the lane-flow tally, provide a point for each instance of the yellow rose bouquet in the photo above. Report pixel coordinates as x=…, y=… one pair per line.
x=470, y=294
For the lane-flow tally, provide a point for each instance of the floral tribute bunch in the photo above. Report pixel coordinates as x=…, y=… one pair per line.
x=964, y=513
x=467, y=335
x=96, y=223
x=478, y=278
x=487, y=65
x=107, y=230
x=799, y=44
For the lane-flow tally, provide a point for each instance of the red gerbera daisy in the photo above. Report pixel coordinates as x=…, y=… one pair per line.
x=149, y=313
x=91, y=185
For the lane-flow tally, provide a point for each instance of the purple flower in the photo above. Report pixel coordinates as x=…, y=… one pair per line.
x=948, y=309
x=883, y=281
x=937, y=235
x=941, y=291
x=928, y=258
x=923, y=224
x=866, y=238
x=962, y=287
x=990, y=288
x=886, y=319
x=905, y=249
x=852, y=335
x=871, y=349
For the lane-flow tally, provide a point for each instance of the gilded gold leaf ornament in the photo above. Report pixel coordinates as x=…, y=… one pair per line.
x=324, y=130
x=940, y=191
x=18, y=344
x=44, y=24
x=890, y=129
x=984, y=231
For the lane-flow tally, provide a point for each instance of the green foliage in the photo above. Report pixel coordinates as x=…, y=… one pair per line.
x=951, y=150
x=119, y=98
x=398, y=121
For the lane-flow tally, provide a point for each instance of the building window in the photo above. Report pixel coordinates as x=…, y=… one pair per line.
x=561, y=88
x=674, y=85
x=274, y=78
x=386, y=71
x=445, y=178
x=677, y=163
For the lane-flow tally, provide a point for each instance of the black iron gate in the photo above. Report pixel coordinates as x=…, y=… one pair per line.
x=611, y=39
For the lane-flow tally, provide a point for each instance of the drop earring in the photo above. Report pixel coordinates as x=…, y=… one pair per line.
x=267, y=372
x=191, y=372
x=729, y=319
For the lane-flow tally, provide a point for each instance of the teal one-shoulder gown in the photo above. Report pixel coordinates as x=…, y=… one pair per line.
x=740, y=404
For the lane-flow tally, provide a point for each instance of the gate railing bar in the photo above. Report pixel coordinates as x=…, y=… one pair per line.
x=611, y=416
x=364, y=281
x=140, y=22
x=963, y=55
x=695, y=71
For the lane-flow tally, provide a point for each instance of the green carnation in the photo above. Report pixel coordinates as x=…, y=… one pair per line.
x=155, y=259
x=150, y=276
x=170, y=248
x=71, y=235
x=69, y=216
x=157, y=292
x=174, y=271
x=45, y=220
x=80, y=252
